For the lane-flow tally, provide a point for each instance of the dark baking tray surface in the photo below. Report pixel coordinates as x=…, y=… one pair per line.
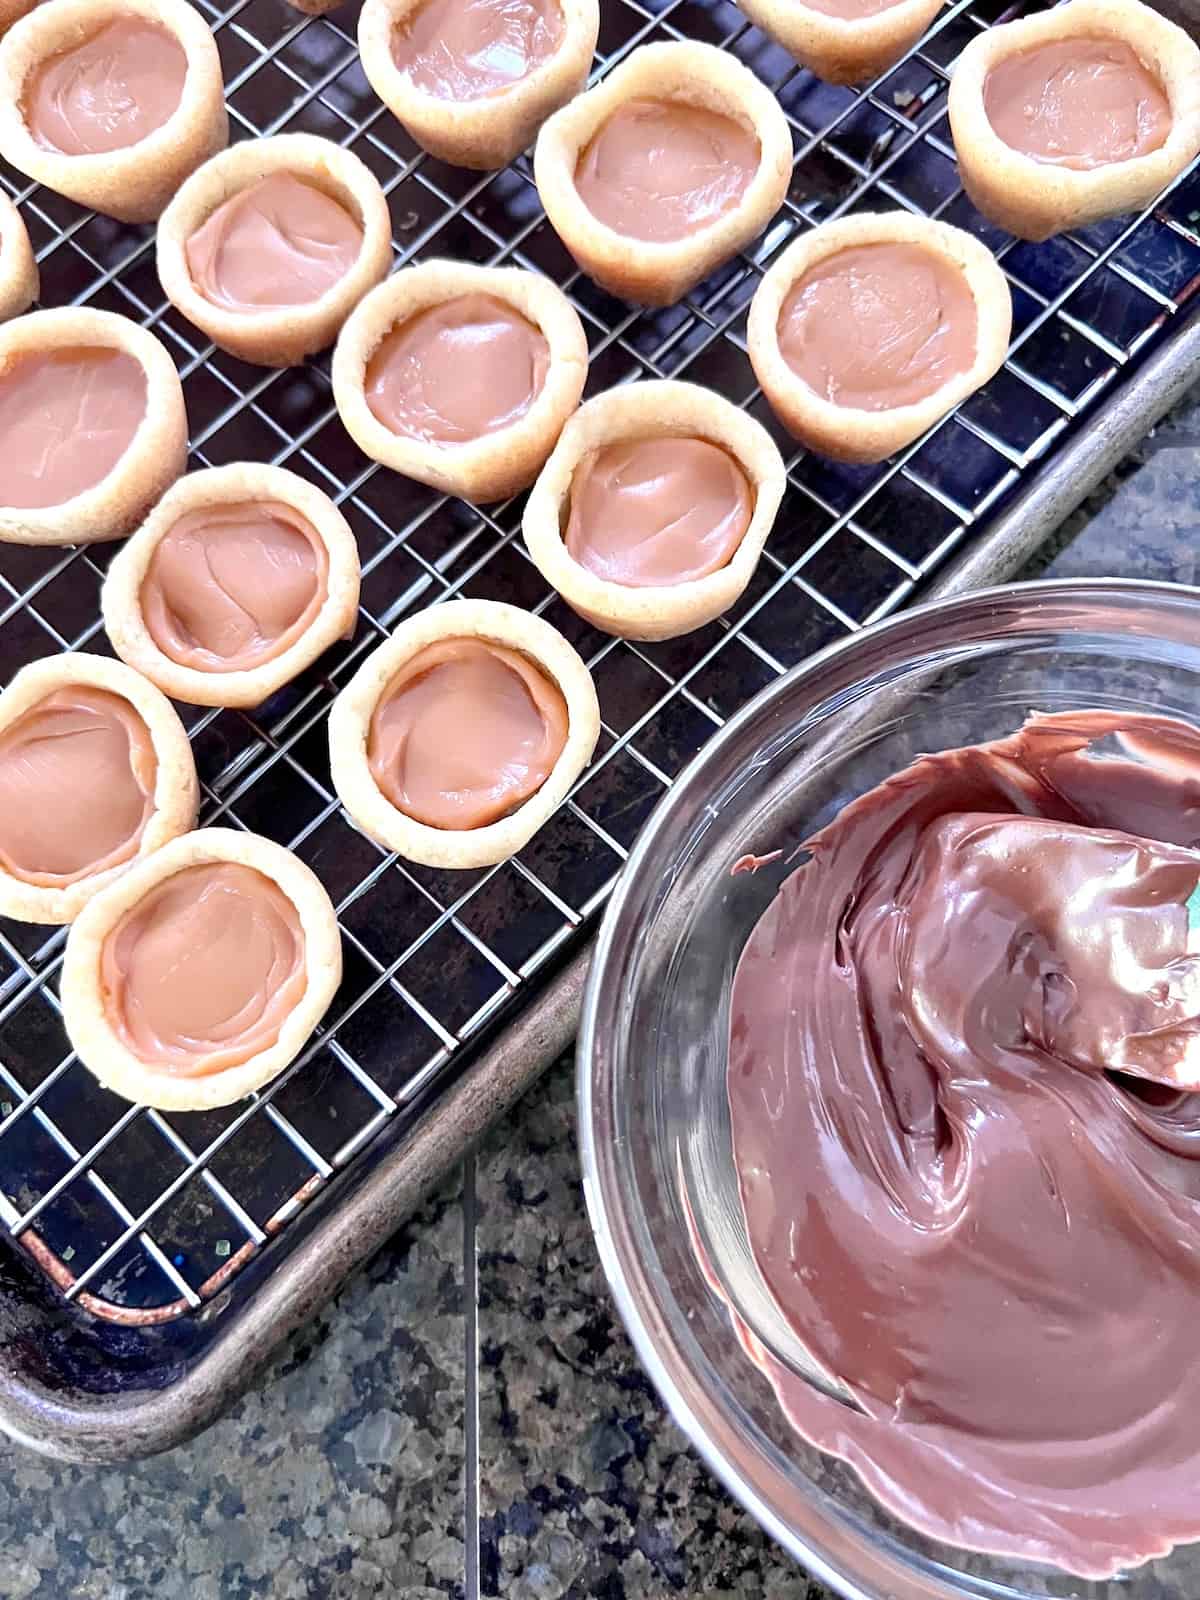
x=152, y=1252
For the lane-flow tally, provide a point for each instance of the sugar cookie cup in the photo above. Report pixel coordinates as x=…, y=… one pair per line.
x=658, y=273
x=173, y=794
x=218, y=489
x=276, y=336
x=849, y=433
x=155, y=455
x=490, y=130
x=135, y=182
x=19, y=281
x=1036, y=199
x=350, y=725
x=655, y=409
x=86, y=1002
x=843, y=49
x=12, y=11
x=495, y=464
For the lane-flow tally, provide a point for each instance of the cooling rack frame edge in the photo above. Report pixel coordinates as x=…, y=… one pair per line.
x=72, y=1425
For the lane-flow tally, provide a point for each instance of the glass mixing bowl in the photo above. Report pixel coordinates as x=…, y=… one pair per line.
x=654, y=1118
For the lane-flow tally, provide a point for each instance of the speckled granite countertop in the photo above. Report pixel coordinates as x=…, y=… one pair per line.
x=467, y=1418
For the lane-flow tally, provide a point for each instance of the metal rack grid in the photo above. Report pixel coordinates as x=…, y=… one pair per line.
x=140, y=1217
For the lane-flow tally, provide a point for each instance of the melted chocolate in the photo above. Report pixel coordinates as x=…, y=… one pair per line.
x=204, y=970
x=67, y=416
x=232, y=586
x=1080, y=103
x=77, y=775
x=960, y=1043
x=457, y=371
x=466, y=49
x=280, y=242
x=465, y=733
x=109, y=92
x=879, y=325
x=650, y=512
x=662, y=170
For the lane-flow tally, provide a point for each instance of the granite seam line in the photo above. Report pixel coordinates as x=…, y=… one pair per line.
x=471, y=1531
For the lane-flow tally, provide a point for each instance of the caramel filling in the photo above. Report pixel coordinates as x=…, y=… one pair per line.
x=77, y=775
x=465, y=49
x=657, y=511
x=879, y=325
x=203, y=972
x=462, y=369
x=230, y=587
x=66, y=419
x=112, y=91
x=465, y=732
x=280, y=242
x=1079, y=103
x=660, y=170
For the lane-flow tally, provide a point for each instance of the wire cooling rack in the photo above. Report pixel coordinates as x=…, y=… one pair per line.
x=139, y=1217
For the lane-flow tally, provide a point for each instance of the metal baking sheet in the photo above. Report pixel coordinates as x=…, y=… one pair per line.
x=153, y=1259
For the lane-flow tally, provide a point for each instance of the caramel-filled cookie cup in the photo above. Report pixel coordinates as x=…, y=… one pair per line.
x=1094, y=159
x=199, y=976
x=269, y=247
x=666, y=109
x=538, y=705
x=92, y=426
x=859, y=381
x=96, y=772
x=69, y=63
x=237, y=581
x=457, y=112
x=18, y=270
x=460, y=376
x=844, y=41
x=632, y=415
